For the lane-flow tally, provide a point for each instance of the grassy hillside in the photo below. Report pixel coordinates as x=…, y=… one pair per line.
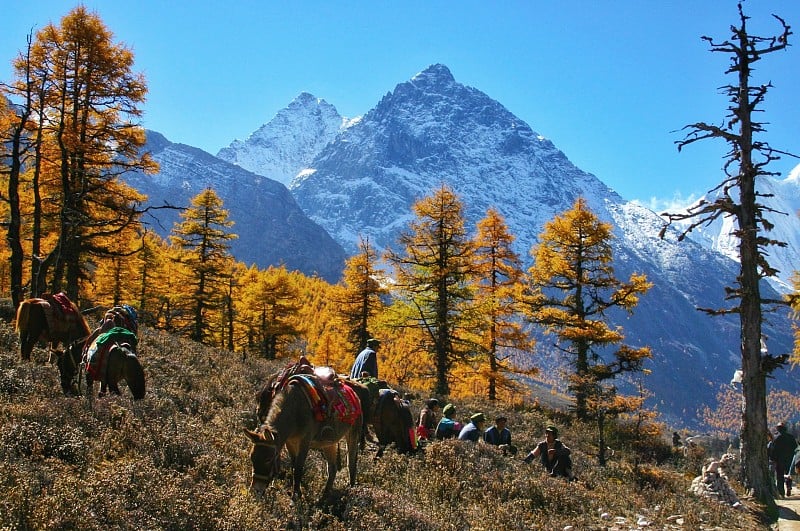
x=178, y=460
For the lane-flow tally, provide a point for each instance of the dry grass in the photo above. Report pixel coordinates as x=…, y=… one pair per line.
x=178, y=460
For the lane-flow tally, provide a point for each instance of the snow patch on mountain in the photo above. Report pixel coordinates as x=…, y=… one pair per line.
x=782, y=196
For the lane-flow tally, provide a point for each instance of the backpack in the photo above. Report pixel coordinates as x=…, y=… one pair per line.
x=446, y=429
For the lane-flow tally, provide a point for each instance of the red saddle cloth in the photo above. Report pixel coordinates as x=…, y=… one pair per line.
x=63, y=303
x=337, y=400
x=60, y=315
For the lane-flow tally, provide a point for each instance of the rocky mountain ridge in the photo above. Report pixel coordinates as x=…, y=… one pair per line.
x=271, y=228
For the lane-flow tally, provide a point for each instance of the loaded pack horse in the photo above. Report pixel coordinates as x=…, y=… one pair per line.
x=120, y=363
x=296, y=421
x=54, y=319
x=109, y=355
x=51, y=318
x=389, y=416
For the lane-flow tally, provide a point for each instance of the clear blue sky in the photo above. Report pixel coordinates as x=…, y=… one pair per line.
x=610, y=82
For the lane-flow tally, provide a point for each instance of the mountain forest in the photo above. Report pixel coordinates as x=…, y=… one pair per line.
x=458, y=315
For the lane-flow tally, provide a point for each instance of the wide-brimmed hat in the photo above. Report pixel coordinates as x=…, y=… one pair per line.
x=477, y=417
x=372, y=341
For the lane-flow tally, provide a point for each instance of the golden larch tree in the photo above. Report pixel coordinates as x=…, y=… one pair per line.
x=360, y=296
x=571, y=288
x=498, y=279
x=266, y=308
x=203, y=236
x=86, y=100
x=432, y=279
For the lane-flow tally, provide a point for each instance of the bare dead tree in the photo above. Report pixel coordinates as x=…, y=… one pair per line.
x=737, y=196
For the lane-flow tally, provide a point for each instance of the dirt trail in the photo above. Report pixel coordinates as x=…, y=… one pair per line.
x=789, y=513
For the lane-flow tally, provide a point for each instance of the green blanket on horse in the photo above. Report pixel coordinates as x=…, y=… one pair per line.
x=96, y=353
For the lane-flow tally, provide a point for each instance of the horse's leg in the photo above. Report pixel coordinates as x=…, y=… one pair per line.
x=330, y=452
x=353, y=444
x=298, y=464
x=28, y=340
x=114, y=386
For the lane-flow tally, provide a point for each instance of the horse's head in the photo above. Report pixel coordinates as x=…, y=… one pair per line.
x=265, y=459
x=68, y=363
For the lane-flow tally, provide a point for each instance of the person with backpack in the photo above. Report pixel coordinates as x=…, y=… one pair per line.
x=447, y=427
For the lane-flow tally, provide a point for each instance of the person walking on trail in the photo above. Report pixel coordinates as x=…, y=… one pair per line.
x=366, y=361
x=474, y=430
x=554, y=455
x=781, y=453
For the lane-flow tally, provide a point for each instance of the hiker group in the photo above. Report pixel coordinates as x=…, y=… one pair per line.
x=553, y=454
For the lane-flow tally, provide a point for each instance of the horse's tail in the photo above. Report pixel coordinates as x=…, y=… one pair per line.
x=134, y=375
x=363, y=394
x=407, y=422
x=23, y=314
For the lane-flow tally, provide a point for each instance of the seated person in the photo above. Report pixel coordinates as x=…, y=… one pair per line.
x=554, y=455
x=474, y=430
x=427, y=419
x=447, y=427
x=500, y=435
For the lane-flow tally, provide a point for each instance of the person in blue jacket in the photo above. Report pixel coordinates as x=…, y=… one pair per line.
x=500, y=436
x=366, y=363
x=474, y=430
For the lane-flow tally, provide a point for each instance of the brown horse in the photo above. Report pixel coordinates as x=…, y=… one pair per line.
x=389, y=416
x=274, y=383
x=54, y=319
x=293, y=422
x=393, y=423
x=120, y=364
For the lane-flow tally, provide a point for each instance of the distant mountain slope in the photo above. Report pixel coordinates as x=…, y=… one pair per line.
x=271, y=227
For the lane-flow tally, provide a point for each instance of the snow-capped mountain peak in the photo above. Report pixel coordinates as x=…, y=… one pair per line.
x=435, y=76
x=289, y=141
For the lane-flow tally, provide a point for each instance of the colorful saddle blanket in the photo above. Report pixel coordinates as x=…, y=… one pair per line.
x=97, y=352
x=337, y=400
